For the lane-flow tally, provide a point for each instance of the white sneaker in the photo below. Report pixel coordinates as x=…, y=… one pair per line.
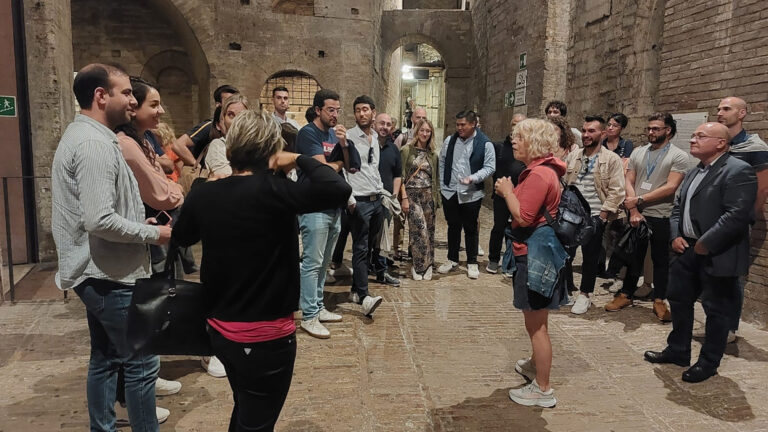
x=480, y=251
x=122, y=419
x=354, y=297
x=581, y=305
x=526, y=368
x=341, y=270
x=370, y=303
x=448, y=266
x=731, y=337
x=428, y=273
x=531, y=395
x=166, y=387
x=416, y=276
x=213, y=366
x=327, y=316
x=472, y=271
x=329, y=277
x=314, y=328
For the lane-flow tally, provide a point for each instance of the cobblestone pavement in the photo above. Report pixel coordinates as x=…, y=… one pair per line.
x=438, y=356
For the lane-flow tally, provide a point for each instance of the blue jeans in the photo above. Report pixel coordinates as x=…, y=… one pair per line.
x=319, y=232
x=107, y=304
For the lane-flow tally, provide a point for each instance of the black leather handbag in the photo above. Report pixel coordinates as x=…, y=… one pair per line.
x=167, y=315
x=631, y=240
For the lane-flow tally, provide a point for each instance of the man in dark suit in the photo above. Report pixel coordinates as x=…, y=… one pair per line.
x=710, y=231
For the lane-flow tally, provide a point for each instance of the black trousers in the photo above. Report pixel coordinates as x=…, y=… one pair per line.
x=365, y=224
x=719, y=297
x=500, y=223
x=660, y=255
x=590, y=265
x=462, y=216
x=260, y=375
x=341, y=243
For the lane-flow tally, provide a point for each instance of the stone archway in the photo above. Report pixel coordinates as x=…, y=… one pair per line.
x=170, y=71
x=447, y=31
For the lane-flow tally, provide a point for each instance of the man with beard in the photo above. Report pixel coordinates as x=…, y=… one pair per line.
x=752, y=150
x=320, y=140
x=101, y=238
x=654, y=173
x=366, y=213
x=599, y=175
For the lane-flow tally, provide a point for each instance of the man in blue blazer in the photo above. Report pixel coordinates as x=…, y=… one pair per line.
x=710, y=231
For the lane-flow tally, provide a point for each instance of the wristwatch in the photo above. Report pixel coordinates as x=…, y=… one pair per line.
x=640, y=200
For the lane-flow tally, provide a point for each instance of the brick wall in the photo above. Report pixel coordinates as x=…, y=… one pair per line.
x=713, y=49
x=503, y=30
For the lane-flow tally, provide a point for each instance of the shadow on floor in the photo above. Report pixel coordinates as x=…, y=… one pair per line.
x=718, y=397
x=632, y=317
x=493, y=413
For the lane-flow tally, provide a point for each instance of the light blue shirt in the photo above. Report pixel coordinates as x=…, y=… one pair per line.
x=460, y=169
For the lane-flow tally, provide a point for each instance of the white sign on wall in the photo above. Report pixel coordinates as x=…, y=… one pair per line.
x=521, y=80
x=520, y=96
x=686, y=125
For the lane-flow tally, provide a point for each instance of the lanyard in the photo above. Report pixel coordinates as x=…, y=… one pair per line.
x=590, y=164
x=650, y=168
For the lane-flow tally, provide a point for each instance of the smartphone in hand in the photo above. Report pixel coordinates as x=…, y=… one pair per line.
x=163, y=218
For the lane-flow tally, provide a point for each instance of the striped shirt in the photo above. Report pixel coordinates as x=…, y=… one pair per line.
x=585, y=181
x=97, y=217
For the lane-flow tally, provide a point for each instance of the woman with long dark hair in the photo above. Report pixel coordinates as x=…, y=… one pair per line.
x=247, y=223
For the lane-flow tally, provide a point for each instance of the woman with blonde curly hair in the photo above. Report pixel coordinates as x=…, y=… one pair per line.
x=420, y=190
x=248, y=225
x=538, y=255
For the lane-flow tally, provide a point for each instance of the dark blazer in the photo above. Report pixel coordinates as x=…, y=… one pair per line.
x=721, y=212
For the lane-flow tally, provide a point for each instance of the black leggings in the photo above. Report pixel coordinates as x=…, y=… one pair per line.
x=260, y=375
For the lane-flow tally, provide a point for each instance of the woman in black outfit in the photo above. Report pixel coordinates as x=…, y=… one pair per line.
x=250, y=265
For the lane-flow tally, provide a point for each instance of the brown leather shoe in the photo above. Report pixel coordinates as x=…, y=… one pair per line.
x=619, y=302
x=661, y=311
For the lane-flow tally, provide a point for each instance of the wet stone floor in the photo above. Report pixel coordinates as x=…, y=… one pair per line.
x=438, y=356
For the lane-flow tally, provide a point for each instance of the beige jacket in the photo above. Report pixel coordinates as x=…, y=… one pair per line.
x=609, y=177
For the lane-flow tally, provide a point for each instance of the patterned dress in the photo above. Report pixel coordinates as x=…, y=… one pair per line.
x=421, y=218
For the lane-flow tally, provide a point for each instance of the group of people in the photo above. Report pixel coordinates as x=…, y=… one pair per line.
x=268, y=183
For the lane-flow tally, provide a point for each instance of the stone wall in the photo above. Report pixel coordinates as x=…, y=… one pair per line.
x=714, y=49
x=613, y=60
x=503, y=30
x=52, y=104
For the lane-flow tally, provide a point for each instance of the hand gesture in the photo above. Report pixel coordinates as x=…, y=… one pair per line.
x=503, y=187
x=341, y=134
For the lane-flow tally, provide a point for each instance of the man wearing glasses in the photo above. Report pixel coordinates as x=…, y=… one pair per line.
x=710, y=231
x=325, y=140
x=654, y=173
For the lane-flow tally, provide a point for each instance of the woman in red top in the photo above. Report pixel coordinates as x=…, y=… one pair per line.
x=534, y=142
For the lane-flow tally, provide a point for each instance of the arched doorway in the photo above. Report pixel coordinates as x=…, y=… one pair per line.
x=422, y=84
x=301, y=90
x=170, y=72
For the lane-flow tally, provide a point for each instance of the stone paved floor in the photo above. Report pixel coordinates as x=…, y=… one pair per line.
x=438, y=356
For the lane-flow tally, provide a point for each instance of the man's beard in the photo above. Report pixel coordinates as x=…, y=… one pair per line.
x=659, y=139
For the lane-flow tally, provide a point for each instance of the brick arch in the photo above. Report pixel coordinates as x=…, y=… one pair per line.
x=191, y=20
x=170, y=70
x=301, y=87
x=447, y=31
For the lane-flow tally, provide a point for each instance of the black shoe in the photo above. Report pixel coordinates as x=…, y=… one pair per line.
x=698, y=373
x=665, y=357
x=389, y=280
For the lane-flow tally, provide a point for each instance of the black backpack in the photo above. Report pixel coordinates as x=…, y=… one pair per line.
x=573, y=224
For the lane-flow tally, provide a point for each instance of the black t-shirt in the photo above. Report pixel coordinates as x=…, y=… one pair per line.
x=200, y=136
x=390, y=165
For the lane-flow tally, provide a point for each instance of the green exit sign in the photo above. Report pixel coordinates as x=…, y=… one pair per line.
x=7, y=106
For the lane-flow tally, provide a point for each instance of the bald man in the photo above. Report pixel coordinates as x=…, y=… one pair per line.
x=751, y=149
x=418, y=115
x=710, y=236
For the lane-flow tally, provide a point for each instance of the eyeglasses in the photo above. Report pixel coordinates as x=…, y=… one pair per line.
x=699, y=137
x=332, y=111
x=655, y=129
x=613, y=126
